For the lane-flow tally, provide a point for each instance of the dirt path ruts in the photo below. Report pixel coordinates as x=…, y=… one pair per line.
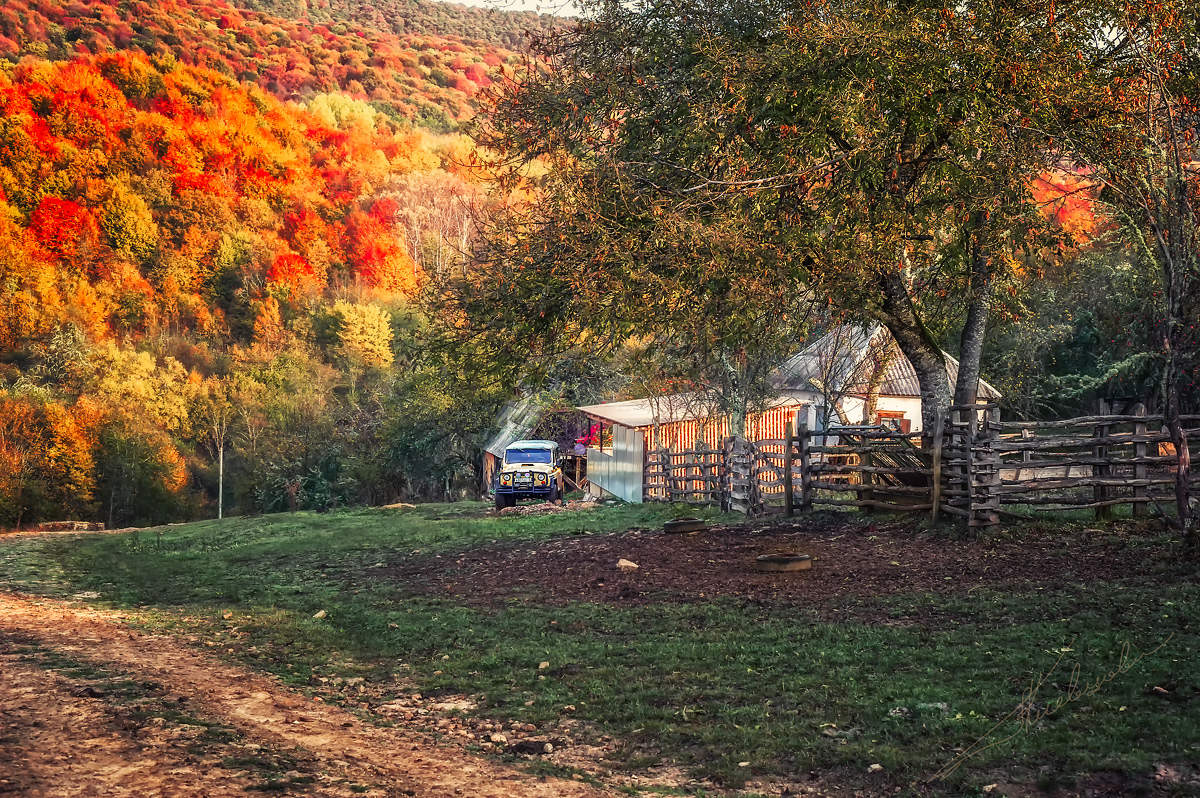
x=398, y=761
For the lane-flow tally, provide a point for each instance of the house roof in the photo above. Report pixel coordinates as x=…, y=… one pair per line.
x=839, y=357
x=836, y=358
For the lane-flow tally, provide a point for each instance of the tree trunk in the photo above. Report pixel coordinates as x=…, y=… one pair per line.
x=737, y=416
x=915, y=342
x=221, y=480
x=1176, y=259
x=966, y=389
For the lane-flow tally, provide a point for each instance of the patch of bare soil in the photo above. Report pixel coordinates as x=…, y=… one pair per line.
x=548, y=508
x=63, y=736
x=848, y=562
x=79, y=750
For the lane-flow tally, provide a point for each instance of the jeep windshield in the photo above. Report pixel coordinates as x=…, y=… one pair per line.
x=527, y=456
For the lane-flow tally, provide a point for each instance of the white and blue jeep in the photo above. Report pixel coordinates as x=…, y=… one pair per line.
x=530, y=470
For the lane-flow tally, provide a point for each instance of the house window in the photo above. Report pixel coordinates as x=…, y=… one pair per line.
x=894, y=419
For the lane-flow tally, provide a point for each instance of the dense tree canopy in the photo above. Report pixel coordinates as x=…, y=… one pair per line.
x=734, y=158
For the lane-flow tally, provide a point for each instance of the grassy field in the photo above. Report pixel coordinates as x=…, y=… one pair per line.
x=733, y=691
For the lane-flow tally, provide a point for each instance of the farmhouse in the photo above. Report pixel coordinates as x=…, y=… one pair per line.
x=850, y=375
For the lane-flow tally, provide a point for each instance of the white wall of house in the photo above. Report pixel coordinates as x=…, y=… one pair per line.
x=910, y=406
x=618, y=471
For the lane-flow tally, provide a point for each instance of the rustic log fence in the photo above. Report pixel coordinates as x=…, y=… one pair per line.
x=972, y=466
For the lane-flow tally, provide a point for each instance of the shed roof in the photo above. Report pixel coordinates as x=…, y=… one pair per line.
x=663, y=409
x=517, y=420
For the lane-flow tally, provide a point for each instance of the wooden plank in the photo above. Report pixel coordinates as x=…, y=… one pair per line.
x=806, y=492
x=1100, y=491
x=787, y=469
x=1140, y=470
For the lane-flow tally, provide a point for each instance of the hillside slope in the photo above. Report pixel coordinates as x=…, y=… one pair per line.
x=425, y=79
x=488, y=26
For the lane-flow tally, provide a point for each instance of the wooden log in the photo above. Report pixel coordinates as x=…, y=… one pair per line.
x=874, y=505
x=1061, y=442
x=834, y=468
x=955, y=510
x=1076, y=483
x=1088, y=460
x=1083, y=502
x=843, y=449
x=1080, y=421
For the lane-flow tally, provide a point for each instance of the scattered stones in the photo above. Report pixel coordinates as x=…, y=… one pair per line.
x=543, y=665
x=626, y=566
x=875, y=768
x=319, y=614
x=498, y=738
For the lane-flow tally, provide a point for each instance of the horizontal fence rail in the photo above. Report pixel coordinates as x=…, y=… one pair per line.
x=971, y=466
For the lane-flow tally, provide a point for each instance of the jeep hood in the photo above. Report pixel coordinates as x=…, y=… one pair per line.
x=513, y=468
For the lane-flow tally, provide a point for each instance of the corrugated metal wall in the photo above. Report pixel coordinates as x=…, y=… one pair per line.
x=619, y=471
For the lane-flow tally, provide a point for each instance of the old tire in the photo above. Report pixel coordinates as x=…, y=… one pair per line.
x=685, y=525
x=783, y=563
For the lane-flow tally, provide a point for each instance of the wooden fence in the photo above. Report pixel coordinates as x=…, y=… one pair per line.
x=1017, y=468
x=973, y=467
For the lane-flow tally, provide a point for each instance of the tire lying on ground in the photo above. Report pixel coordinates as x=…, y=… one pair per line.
x=685, y=525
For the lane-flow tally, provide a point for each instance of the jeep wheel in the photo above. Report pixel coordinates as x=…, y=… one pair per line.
x=503, y=501
x=553, y=497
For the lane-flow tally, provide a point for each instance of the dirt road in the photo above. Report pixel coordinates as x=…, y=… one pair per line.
x=89, y=706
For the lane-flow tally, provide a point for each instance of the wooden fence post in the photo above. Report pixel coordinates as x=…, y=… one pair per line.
x=805, y=469
x=935, y=484
x=1140, y=471
x=867, y=494
x=787, y=469
x=990, y=467
x=1100, y=452
x=970, y=425
x=726, y=486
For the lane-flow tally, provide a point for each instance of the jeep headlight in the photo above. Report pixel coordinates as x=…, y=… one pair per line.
x=506, y=479
x=540, y=478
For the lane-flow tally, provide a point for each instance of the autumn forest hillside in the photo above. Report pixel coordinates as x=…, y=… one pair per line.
x=214, y=225
x=418, y=62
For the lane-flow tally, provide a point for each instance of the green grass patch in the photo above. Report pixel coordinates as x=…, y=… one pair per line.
x=707, y=685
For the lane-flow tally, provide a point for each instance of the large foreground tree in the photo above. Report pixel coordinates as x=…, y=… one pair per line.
x=694, y=159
